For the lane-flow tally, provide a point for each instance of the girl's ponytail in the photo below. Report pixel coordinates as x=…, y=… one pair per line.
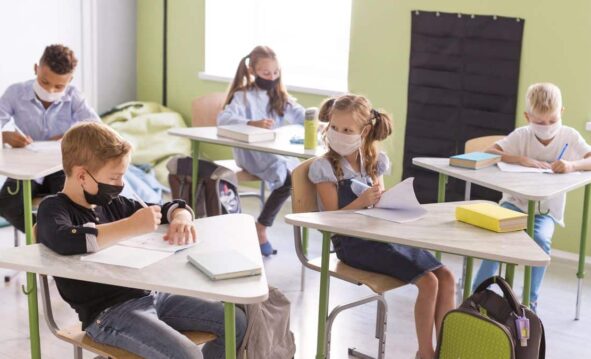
x=324, y=112
x=241, y=79
x=381, y=126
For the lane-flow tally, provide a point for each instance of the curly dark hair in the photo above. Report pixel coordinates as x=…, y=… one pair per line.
x=59, y=58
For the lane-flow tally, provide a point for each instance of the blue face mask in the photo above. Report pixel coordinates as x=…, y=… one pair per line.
x=105, y=195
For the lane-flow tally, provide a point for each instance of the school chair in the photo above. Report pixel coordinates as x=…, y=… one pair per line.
x=477, y=144
x=304, y=200
x=204, y=112
x=78, y=338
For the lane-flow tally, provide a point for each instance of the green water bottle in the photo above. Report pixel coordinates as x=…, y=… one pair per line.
x=311, y=128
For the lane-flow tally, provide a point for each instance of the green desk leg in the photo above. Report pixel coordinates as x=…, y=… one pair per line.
x=582, y=250
x=468, y=277
x=305, y=240
x=230, y=329
x=323, y=301
x=31, y=290
x=441, y=199
x=531, y=217
x=195, y=174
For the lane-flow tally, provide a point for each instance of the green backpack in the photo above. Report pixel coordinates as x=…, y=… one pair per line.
x=485, y=326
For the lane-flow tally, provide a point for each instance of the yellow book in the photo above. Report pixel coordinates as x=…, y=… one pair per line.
x=492, y=217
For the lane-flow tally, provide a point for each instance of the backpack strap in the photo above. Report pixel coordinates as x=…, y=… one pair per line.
x=507, y=291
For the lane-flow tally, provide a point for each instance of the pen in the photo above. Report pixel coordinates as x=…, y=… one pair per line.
x=360, y=183
x=562, y=152
x=137, y=198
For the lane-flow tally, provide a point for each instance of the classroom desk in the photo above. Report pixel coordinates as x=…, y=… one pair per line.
x=26, y=165
x=172, y=274
x=438, y=231
x=534, y=187
x=279, y=146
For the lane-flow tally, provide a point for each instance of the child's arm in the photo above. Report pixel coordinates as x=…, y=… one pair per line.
x=235, y=114
x=181, y=230
x=327, y=191
x=562, y=166
x=56, y=229
x=176, y=213
x=520, y=160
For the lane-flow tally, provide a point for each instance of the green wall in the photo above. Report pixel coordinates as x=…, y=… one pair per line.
x=556, y=48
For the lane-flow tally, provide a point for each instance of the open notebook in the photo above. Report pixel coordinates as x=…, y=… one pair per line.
x=137, y=252
x=398, y=204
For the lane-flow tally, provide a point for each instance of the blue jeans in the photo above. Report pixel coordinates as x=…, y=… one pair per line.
x=150, y=326
x=543, y=231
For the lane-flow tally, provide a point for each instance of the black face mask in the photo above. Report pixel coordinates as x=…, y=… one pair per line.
x=105, y=195
x=264, y=83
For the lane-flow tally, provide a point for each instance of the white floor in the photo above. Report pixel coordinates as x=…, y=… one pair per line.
x=354, y=328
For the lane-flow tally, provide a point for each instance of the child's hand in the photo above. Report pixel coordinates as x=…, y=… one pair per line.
x=146, y=220
x=15, y=139
x=562, y=166
x=371, y=196
x=181, y=231
x=528, y=162
x=264, y=123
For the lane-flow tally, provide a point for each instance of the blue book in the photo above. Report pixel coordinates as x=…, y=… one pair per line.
x=474, y=160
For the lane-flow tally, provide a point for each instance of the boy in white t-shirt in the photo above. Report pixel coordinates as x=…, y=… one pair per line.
x=544, y=143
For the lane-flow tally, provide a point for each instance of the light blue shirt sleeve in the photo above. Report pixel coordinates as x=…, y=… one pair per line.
x=81, y=111
x=383, y=164
x=295, y=113
x=235, y=112
x=6, y=108
x=321, y=171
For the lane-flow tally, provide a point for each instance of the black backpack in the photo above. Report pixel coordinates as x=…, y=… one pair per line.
x=217, y=187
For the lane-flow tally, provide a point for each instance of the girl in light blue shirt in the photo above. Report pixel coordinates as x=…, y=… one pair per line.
x=257, y=97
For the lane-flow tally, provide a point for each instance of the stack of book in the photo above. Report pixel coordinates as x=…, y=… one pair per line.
x=492, y=217
x=246, y=133
x=474, y=160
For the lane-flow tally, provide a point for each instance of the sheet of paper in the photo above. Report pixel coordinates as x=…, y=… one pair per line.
x=39, y=146
x=125, y=256
x=154, y=241
x=398, y=204
x=510, y=167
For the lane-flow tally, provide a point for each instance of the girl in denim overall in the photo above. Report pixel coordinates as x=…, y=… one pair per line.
x=350, y=176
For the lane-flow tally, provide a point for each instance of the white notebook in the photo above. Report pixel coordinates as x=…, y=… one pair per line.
x=224, y=264
x=246, y=133
x=398, y=204
x=137, y=252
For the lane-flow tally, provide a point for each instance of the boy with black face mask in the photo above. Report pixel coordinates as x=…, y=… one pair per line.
x=43, y=109
x=89, y=215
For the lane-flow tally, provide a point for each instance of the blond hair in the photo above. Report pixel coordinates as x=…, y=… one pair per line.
x=244, y=80
x=543, y=98
x=91, y=145
x=364, y=115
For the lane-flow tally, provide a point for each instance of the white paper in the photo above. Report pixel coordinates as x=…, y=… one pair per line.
x=398, y=204
x=154, y=241
x=126, y=256
x=510, y=167
x=41, y=146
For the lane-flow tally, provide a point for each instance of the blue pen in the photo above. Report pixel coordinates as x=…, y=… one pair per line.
x=562, y=152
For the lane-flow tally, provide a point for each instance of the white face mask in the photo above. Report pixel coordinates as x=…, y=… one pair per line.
x=546, y=132
x=343, y=144
x=45, y=95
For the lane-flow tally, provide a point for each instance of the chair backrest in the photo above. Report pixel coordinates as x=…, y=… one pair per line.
x=303, y=195
x=481, y=144
x=205, y=109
